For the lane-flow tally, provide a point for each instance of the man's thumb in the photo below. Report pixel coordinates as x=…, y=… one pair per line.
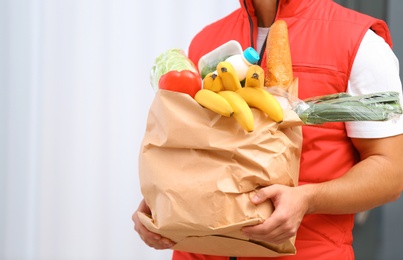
x=261, y=195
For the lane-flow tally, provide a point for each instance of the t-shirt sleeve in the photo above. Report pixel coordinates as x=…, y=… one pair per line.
x=375, y=69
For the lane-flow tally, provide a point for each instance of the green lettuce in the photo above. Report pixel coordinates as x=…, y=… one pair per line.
x=172, y=59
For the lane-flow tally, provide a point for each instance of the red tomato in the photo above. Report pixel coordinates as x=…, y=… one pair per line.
x=185, y=81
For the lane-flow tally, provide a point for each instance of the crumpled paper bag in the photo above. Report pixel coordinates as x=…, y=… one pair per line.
x=198, y=171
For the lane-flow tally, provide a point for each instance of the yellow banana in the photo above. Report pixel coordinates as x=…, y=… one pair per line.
x=263, y=100
x=254, y=76
x=242, y=112
x=213, y=82
x=228, y=76
x=216, y=103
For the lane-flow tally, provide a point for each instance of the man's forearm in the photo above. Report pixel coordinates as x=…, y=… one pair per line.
x=376, y=180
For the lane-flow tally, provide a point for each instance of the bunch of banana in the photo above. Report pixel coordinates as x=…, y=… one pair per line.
x=228, y=76
x=255, y=77
x=216, y=103
x=222, y=93
x=255, y=94
x=219, y=95
x=231, y=84
x=213, y=82
x=242, y=112
x=208, y=96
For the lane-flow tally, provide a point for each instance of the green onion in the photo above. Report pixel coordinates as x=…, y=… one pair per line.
x=342, y=107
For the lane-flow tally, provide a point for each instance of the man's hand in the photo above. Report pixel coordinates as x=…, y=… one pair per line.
x=377, y=179
x=290, y=206
x=151, y=239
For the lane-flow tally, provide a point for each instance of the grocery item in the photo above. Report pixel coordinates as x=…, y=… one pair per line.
x=342, y=107
x=228, y=76
x=208, y=62
x=213, y=101
x=278, y=56
x=261, y=99
x=213, y=82
x=184, y=81
x=242, y=112
x=230, y=51
x=171, y=59
x=242, y=62
x=255, y=76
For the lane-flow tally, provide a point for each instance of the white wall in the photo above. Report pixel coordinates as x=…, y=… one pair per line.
x=74, y=97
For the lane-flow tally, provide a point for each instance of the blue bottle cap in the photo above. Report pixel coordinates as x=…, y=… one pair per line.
x=251, y=55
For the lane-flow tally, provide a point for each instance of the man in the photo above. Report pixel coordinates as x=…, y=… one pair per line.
x=345, y=167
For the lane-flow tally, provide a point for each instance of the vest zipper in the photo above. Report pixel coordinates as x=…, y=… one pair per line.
x=251, y=26
x=252, y=40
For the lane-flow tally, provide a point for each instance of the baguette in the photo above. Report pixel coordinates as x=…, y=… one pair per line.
x=278, y=57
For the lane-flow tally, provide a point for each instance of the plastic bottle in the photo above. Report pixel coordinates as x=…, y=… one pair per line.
x=242, y=62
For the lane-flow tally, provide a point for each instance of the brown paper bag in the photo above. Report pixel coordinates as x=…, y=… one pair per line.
x=198, y=171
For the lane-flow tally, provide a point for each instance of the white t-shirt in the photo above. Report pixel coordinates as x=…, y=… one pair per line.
x=375, y=69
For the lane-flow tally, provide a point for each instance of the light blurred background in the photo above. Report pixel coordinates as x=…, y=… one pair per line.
x=74, y=98
x=75, y=92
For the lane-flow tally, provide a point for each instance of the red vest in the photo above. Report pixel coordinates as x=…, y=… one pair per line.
x=324, y=39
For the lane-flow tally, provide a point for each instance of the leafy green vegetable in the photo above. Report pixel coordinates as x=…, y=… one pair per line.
x=172, y=59
x=343, y=107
